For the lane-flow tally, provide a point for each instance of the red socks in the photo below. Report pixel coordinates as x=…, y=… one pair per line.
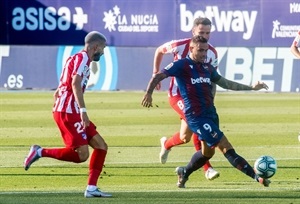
x=96, y=165
x=69, y=154
x=64, y=154
x=173, y=141
x=197, y=142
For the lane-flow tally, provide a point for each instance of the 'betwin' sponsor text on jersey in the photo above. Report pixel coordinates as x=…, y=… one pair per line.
x=77, y=64
x=194, y=83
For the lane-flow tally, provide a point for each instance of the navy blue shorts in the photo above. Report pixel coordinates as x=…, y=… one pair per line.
x=207, y=129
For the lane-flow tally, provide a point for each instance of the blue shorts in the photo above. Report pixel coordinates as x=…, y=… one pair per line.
x=207, y=129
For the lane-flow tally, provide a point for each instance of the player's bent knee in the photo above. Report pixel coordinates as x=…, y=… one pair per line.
x=186, y=138
x=83, y=153
x=207, y=151
x=208, y=154
x=97, y=142
x=105, y=147
x=83, y=156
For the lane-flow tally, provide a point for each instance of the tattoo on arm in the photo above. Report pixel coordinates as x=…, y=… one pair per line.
x=232, y=85
x=154, y=81
x=214, y=89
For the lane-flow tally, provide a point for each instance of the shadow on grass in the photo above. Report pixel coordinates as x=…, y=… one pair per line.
x=180, y=196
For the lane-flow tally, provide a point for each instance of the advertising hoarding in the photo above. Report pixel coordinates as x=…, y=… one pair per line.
x=39, y=67
x=147, y=23
x=252, y=39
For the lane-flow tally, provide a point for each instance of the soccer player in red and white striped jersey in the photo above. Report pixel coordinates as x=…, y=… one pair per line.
x=296, y=46
x=295, y=49
x=180, y=49
x=70, y=115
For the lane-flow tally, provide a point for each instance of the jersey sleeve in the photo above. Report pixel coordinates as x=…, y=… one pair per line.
x=176, y=47
x=212, y=56
x=80, y=61
x=215, y=63
x=173, y=69
x=296, y=41
x=215, y=76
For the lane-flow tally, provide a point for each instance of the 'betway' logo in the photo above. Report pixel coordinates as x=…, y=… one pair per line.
x=200, y=80
x=236, y=21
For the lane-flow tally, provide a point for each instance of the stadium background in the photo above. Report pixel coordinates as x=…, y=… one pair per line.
x=252, y=38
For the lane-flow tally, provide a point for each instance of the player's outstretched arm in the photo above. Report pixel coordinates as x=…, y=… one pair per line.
x=232, y=85
x=260, y=85
x=158, y=57
x=156, y=79
x=295, y=51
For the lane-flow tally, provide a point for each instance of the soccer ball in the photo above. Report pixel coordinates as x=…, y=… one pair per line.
x=265, y=166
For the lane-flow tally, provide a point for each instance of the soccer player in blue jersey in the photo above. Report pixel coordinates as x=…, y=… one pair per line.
x=180, y=49
x=194, y=78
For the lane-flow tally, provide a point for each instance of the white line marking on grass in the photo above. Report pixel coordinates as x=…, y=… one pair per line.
x=66, y=164
x=25, y=148
x=270, y=189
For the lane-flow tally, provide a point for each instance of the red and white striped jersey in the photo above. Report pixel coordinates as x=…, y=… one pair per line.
x=296, y=41
x=77, y=64
x=180, y=49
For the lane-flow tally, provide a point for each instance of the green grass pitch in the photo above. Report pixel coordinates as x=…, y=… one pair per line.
x=256, y=123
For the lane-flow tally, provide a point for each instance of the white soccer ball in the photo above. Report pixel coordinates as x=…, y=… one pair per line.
x=265, y=166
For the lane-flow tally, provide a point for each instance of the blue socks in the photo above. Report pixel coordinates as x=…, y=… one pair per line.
x=197, y=161
x=240, y=163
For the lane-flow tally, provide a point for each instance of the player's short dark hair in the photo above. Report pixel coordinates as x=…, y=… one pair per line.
x=198, y=39
x=202, y=21
x=94, y=36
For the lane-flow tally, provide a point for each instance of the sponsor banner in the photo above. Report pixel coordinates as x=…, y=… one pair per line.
x=280, y=28
x=39, y=67
x=260, y=23
x=125, y=25
x=34, y=23
x=66, y=22
x=24, y=67
x=276, y=66
x=233, y=23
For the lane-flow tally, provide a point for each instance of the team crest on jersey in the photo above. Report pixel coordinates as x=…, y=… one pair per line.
x=169, y=66
x=84, y=136
x=86, y=71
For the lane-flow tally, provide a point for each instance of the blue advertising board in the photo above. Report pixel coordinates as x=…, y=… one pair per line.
x=39, y=67
x=143, y=23
x=252, y=39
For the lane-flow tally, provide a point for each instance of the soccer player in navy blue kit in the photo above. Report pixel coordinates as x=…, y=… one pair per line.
x=194, y=78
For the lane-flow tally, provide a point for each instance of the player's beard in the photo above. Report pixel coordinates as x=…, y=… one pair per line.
x=97, y=56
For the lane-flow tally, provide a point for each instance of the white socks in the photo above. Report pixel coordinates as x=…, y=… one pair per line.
x=91, y=187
